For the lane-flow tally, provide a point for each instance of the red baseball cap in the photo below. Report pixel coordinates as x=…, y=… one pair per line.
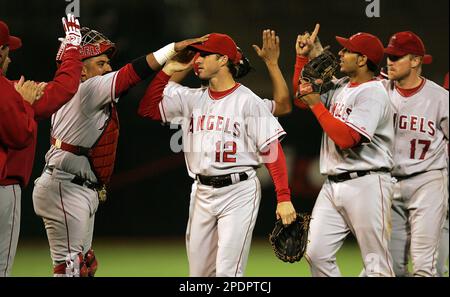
x=403, y=43
x=222, y=44
x=366, y=44
x=12, y=41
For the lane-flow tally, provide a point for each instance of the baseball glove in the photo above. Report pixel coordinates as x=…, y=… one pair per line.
x=289, y=242
x=319, y=72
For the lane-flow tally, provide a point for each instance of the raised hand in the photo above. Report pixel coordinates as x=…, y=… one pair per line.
x=72, y=29
x=73, y=36
x=270, y=51
x=181, y=45
x=173, y=66
x=306, y=42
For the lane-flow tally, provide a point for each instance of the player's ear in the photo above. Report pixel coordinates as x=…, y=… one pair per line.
x=223, y=60
x=415, y=61
x=84, y=73
x=362, y=60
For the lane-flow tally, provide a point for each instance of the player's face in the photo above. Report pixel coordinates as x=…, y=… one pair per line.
x=95, y=66
x=5, y=65
x=208, y=65
x=4, y=58
x=349, y=61
x=400, y=67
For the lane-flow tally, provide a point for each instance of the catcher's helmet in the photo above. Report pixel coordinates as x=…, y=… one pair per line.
x=93, y=44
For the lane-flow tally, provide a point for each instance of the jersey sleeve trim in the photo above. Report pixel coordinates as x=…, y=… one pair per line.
x=162, y=112
x=271, y=139
x=360, y=131
x=113, y=88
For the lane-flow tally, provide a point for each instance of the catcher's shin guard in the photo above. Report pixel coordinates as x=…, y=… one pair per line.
x=91, y=263
x=74, y=266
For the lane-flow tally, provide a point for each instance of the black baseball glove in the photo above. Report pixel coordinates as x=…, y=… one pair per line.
x=289, y=242
x=319, y=72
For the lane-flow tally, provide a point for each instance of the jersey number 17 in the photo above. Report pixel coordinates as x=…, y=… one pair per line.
x=426, y=145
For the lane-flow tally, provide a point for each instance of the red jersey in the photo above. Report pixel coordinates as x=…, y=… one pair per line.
x=58, y=92
x=16, y=121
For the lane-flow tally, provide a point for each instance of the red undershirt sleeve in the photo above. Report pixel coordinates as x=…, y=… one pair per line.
x=278, y=172
x=148, y=107
x=126, y=78
x=344, y=136
x=300, y=62
x=62, y=88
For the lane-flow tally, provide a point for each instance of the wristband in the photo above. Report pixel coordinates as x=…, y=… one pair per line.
x=165, y=53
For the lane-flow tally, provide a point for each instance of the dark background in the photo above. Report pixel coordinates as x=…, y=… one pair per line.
x=150, y=189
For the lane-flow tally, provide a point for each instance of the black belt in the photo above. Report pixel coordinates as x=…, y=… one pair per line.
x=351, y=175
x=400, y=178
x=78, y=180
x=220, y=181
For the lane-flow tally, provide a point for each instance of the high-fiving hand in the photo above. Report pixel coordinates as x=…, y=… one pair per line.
x=270, y=51
x=30, y=90
x=73, y=36
x=181, y=45
x=72, y=29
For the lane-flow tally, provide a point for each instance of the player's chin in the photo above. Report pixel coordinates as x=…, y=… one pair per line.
x=393, y=75
x=202, y=75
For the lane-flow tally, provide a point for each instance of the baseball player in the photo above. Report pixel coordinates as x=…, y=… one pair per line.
x=15, y=113
x=441, y=267
x=81, y=158
x=226, y=129
x=279, y=106
x=420, y=156
x=356, y=157
x=19, y=160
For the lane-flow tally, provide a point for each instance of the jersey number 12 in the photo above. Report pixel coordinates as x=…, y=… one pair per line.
x=229, y=149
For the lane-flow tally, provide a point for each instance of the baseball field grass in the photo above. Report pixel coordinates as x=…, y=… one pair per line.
x=167, y=257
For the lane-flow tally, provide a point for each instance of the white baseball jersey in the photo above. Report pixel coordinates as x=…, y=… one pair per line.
x=220, y=136
x=367, y=110
x=421, y=126
x=80, y=122
x=420, y=196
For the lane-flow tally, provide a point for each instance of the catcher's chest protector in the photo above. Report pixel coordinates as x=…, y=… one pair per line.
x=103, y=153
